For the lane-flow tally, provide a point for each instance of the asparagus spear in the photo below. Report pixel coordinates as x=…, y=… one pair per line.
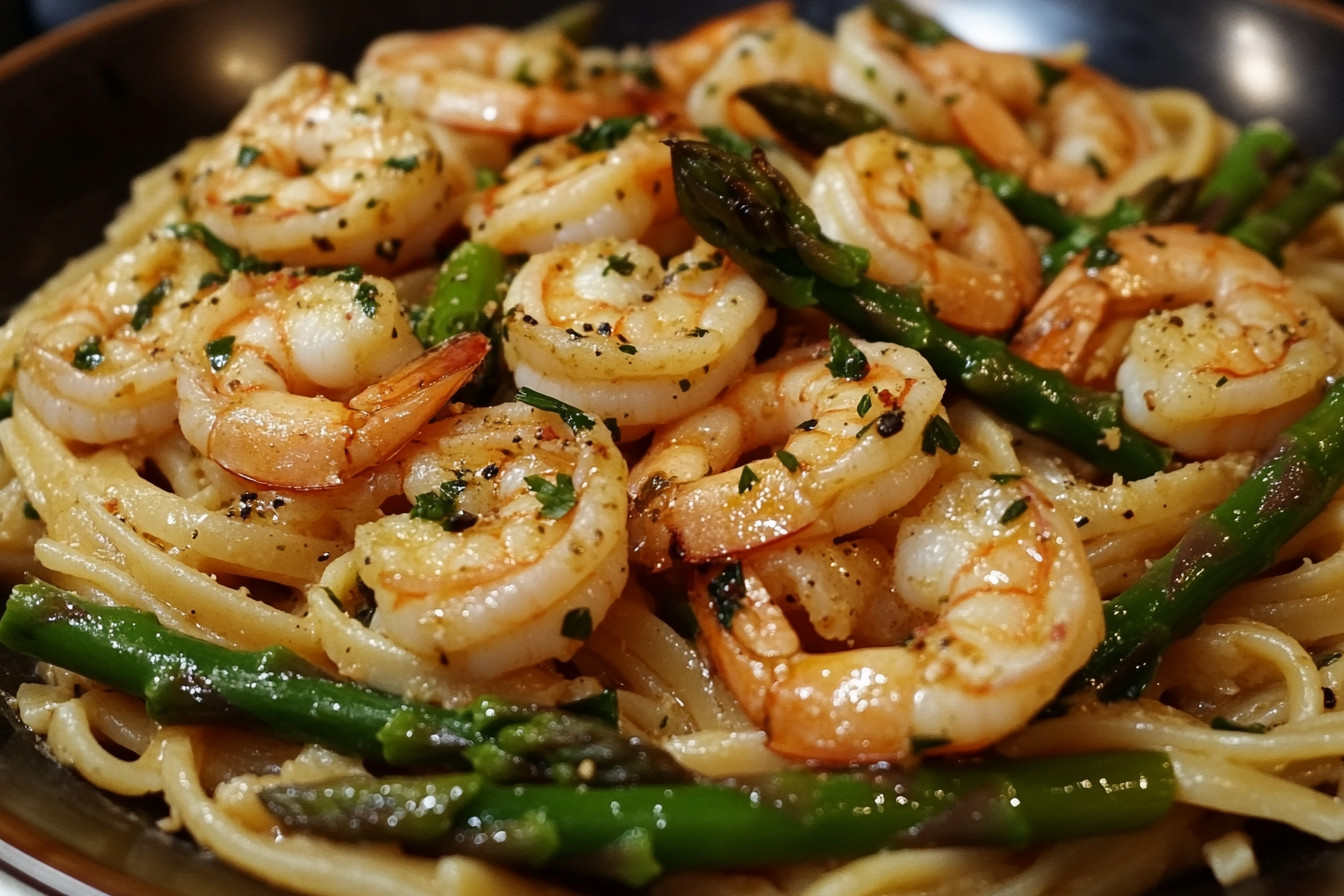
x=633, y=834
x=184, y=679
x=903, y=19
x=1269, y=231
x=1243, y=174
x=1239, y=538
x=746, y=208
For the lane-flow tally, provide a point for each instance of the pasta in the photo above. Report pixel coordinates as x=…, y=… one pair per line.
x=781, y=542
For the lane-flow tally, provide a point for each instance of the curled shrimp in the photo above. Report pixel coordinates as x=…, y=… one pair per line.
x=1010, y=612
x=301, y=381
x=926, y=220
x=679, y=63
x=1220, y=351
x=605, y=326
x=556, y=193
x=98, y=367
x=524, y=553
x=529, y=83
x=316, y=171
x=844, y=453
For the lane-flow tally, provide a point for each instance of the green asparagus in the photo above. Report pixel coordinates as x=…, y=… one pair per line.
x=744, y=207
x=633, y=834
x=1242, y=175
x=187, y=680
x=1293, y=482
x=1268, y=231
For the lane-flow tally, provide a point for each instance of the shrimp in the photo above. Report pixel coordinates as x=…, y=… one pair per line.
x=253, y=385
x=1062, y=125
x=316, y=171
x=843, y=454
x=523, y=553
x=556, y=193
x=679, y=63
x=1221, y=352
x=480, y=78
x=98, y=366
x=790, y=50
x=926, y=220
x=606, y=327
x=1011, y=612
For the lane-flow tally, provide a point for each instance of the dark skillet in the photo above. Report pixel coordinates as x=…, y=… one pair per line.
x=85, y=108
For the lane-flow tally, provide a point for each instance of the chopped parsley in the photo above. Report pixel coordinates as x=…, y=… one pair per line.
x=144, y=307
x=788, y=460
x=747, y=480
x=218, y=352
x=366, y=297
x=574, y=418
x=439, y=505
x=619, y=264
x=247, y=155
x=577, y=624
x=847, y=362
x=726, y=592
x=1050, y=76
x=938, y=434
x=88, y=354
x=557, y=498
x=402, y=163
x=1013, y=511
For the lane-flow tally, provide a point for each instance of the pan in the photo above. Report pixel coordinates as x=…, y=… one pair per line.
x=86, y=107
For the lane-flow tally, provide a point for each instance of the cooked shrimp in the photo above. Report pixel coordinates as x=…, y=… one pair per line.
x=845, y=453
x=556, y=193
x=790, y=50
x=679, y=63
x=1063, y=126
x=1000, y=576
x=98, y=366
x=926, y=220
x=315, y=171
x=868, y=66
x=1222, y=352
x=530, y=83
x=606, y=327
x=523, y=553
x=300, y=381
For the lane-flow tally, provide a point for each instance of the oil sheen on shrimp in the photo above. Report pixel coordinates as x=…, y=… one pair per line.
x=301, y=381
x=842, y=454
x=606, y=327
x=555, y=194
x=316, y=171
x=1220, y=350
x=926, y=220
x=1002, y=581
x=527, y=554
x=530, y=83
x=98, y=367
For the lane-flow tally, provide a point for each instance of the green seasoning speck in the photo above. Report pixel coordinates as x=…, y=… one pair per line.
x=788, y=460
x=144, y=307
x=574, y=418
x=352, y=274
x=619, y=264
x=557, y=498
x=1013, y=511
x=1101, y=255
x=627, y=349
x=366, y=297
x=1222, y=723
x=247, y=155
x=747, y=480
x=219, y=351
x=847, y=362
x=726, y=591
x=88, y=354
x=938, y=434
x=30, y=512
x=439, y=505
x=865, y=405
x=577, y=624
x=1050, y=75
x=613, y=427
x=402, y=163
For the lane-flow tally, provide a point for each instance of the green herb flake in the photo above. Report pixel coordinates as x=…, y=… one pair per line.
x=402, y=163
x=1326, y=659
x=938, y=434
x=487, y=178
x=619, y=264
x=6, y=404
x=726, y=592
x=627, y=349
x=88, y=354
x=1050, y=75
x=1101, y=255
x=352, y=274
x=247, y=155
x=218, y=352
x=1005, y=478
x=788, y=460
x=145, y=305
x=557, y=498
x=1222, y=723
x=606, y=134
x=916, y=210
x=1097, y=165
x=30, y=512
x=439, y=505
x=864, y=406
x=847, y=362
x=574, y=418
x=577, y=624
x=366, y=297
x=747, y=480
x=1013, y=511
x=921, y=743
x=1222, y=381
x=613, y=427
